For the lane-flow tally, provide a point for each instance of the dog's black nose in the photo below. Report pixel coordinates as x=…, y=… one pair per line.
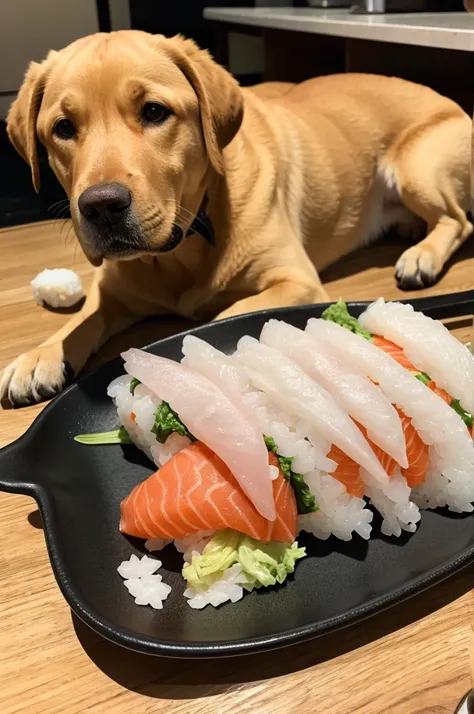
x=105, y=203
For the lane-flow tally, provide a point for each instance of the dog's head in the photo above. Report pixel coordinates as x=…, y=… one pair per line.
x=133, y=124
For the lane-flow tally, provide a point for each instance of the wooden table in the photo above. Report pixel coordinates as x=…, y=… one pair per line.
x=413, y=659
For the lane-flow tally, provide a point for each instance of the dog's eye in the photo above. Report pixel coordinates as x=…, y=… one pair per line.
x=155, y=113
x=64, y=128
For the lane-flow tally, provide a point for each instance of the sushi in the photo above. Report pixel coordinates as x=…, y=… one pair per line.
x=313, y=430
x=213, y=418
x=427, y=344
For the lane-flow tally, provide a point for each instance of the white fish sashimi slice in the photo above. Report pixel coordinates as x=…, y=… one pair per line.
x=221, y=369
x=213, y=419
x=428, y=344
x=292, y=390
x=361, y=398
x=208, y=360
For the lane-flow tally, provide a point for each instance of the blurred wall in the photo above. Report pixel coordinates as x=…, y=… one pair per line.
x=120, y=14
x=245, y=54
x=30, y=28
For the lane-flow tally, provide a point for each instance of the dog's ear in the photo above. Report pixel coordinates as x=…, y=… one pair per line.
x=220, y=98
x=21, y=119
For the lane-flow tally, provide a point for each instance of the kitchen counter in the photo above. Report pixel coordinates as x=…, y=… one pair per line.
x=450, y=30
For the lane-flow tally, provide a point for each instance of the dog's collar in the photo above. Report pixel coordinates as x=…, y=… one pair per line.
x=201, y=224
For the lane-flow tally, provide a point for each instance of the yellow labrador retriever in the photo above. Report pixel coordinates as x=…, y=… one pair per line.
x=195, y=197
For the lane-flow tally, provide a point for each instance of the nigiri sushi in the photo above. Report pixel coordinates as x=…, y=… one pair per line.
x=213, y=419
x=137, y=408
x=427, y=344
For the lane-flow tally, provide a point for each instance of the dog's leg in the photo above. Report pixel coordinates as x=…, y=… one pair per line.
x=295, y=290
x=420, y=265
x=44, y=371
x=433, y=172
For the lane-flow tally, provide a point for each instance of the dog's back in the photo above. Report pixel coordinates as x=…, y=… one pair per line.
x=343, y=142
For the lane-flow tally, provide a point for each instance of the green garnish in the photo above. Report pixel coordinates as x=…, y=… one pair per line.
x=116, y=436
x=263, y=564
x=304, y=498
x=134, y=384
x=465, y=416
x=167, y=422
x=454, y=403
x=270, y=443
x=339, y=314
x=423, y=377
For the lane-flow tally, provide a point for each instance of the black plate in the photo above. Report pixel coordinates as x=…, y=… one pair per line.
x=79, y=489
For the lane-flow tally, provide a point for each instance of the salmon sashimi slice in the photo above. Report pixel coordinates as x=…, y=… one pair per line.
x=397, y=353
x=389, y=464
x=417, y=453
x=440, y=392
x=347, y=472
x=195, y=491
x=394, y=351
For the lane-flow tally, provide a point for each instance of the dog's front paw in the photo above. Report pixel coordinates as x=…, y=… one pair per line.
x=418, y=267
x=34, y=376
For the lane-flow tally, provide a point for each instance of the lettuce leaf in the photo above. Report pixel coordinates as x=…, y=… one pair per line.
x=263, y=564
x=339, y=314
x=167, y=422
x=422, y=377
x=305, y=500
x=465, y=416
x=134, y=384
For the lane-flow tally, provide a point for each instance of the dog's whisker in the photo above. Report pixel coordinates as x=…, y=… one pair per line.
x=69, y=233
x=66, y=221
x=179, y=221
x=182, y=209
x=76, y=248
x=61, y=213
x=58, y=203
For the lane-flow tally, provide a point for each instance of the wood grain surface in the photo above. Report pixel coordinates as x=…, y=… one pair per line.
x=412, y=659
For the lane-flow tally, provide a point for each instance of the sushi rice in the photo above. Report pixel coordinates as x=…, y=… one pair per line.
x=137, y=414
x=260, y=383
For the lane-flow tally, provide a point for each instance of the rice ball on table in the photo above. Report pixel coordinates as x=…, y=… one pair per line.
x=57, y=288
